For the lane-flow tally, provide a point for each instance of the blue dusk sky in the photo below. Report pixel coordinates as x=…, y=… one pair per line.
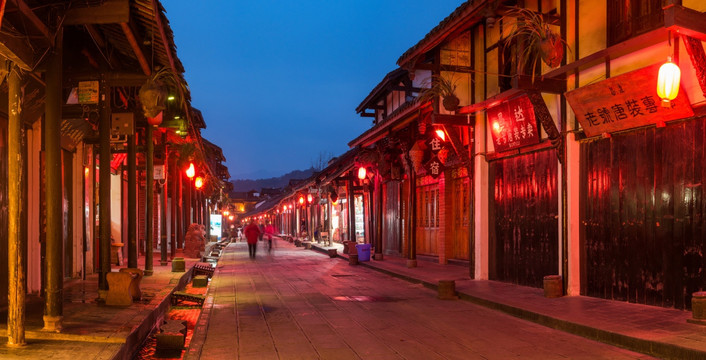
x=278, y=81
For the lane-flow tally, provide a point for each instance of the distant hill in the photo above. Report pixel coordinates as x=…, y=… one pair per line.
x=275, y=182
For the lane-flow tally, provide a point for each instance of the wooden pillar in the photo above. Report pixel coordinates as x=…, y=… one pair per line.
x=104, y=189
x=149, y=200
x=351, y=210
x=378, y=217
x=165, y=207
x=131, y=202
x=174, y=225
x=15, y=259
x=180, y=211
x=54, y=271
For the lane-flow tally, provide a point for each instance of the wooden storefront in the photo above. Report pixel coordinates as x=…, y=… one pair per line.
x=644, y=215
x=428, y=204
x=524, y=218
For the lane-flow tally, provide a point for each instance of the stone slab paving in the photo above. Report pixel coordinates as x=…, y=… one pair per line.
x=93, y=331
x=301, y=304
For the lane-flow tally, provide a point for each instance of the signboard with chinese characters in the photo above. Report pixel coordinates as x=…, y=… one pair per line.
x=434, y=144
x=159, y=172
x=513, y=124
x=88, y=92
x=626, y=101
x=434, y=167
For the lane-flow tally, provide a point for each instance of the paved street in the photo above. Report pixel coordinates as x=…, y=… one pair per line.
x=300, y=304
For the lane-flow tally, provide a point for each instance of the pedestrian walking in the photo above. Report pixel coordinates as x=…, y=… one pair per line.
x=252, y=232
x=270, y=230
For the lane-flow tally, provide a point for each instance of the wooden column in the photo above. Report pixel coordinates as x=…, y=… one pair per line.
x=165, y=207
x=411, y=213
x=175, y=193
x=15, y=258
x=351, y=210
x=131, y=202
x=180, y=211
x=149, y=200
x=104, y=189
x=378, y=217
x=54, y=271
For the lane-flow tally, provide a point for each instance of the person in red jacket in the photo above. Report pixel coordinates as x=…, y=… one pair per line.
x=252, y=232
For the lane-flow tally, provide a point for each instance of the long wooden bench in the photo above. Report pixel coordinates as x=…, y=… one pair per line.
x=202, y=268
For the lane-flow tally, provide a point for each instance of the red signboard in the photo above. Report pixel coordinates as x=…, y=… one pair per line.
x=434, y=167
x=513, y=124
x=626, y=101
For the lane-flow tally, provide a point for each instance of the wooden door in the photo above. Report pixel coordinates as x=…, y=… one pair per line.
x=392, y=225
x=525, y=217
x=427, y=217
x=461, y=215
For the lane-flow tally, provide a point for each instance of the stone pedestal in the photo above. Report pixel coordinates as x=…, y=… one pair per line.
x=199, y=281
x=178, y=265
x=698, y=308
x=171, y=338
x=447, y=290
x=411, y=263
x=332, y=253
x=552, y=286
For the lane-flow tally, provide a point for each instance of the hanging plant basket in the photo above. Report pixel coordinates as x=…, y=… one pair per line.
x=152, y=97
x=551, y=49
x=451, y=102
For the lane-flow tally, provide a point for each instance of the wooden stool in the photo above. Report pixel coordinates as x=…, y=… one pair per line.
x=137, y=275
x=118, y=289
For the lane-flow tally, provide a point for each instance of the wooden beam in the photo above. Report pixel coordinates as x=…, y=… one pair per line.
x=367, y=115
x=685, y=21
x=491, y=101
x=91, y=29
x=110, y=12
x=162, y=33
x=17, y=50
x=130, y=35
x=35, y=21
x=453, y=120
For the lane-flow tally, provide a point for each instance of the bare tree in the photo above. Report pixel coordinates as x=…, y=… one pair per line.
x=321, y=161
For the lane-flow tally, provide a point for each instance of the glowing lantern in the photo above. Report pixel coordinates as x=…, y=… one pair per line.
x=668, y=82
x=155, y=121
x=441, y=134
x=362, y=172
x=86, y=171
x=290, y=206
x=190, y=172
x=284, y=208
x=198, y=182
x=309, y=198
x=226, y=212
x=496, y=126
x=301, y=200
x=231, y=218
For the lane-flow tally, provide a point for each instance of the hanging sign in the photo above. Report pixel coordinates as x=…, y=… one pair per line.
x=434, y=143
x=88, y=92
x=513, y=124
x=434, y=167
x=159, y=172
x=625, y=101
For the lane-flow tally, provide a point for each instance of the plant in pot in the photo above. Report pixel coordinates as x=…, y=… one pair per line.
x=153, y=93
x=535, y=38
x=442, y=87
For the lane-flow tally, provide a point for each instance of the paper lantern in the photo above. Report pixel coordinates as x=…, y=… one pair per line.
x=668, y=82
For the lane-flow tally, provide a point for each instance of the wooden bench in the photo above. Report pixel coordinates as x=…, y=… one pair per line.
x=178, y=296
x=202, y=268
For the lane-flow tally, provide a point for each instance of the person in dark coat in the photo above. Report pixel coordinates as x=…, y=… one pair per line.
x=252, y=232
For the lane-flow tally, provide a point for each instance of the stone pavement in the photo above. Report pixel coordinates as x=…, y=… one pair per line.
x=297, y=304
x=93, y=331
x=652, y=330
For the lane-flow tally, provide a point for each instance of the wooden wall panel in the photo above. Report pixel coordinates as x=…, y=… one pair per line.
x=644, y=215
x=526, y=209
x=3, y=213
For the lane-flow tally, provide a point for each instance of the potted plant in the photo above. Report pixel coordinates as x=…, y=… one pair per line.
x=539, y=40
x=153, y=93
x=442, y=87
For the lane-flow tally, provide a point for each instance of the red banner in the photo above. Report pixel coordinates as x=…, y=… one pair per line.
x=625, y=101
x=513, y=124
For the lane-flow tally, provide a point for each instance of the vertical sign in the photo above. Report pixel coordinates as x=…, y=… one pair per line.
x=216, y=225
x=513, y=124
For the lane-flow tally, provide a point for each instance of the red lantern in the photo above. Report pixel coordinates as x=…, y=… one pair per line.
x=301, y=200
x=362, y=172
x=668, y=82
x=198, y=183
x=309, y=198
x=441, y=134
x=155, y=121
x=190, y=172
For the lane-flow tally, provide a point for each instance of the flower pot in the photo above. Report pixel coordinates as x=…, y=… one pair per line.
x=450, y=102
x=551, y=49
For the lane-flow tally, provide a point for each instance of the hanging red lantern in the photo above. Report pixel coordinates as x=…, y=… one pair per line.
x=362, y=172
x=155, y=121
x=301, y=200
x=198, y=183
x=191, y=171
x=441, y=134
x=309, y=198
x=668, y=82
